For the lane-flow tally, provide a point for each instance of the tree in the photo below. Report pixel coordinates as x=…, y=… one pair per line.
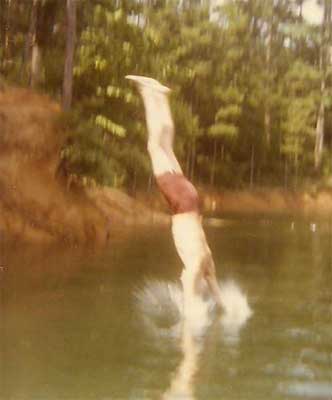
x=324, y=63
x=42, y=19
x=4, y=22
x=69, y=57
x=250, y=84
x=300, y=106
x=33, y=42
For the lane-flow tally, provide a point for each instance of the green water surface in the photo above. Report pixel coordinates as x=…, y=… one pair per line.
x=70, y=329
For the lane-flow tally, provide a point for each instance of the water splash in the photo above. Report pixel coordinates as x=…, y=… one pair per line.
x=160, y=304
x=236, y=310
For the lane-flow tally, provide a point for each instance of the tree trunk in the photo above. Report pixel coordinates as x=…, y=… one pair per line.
x=36, y=50
x=3, y=22
x=40, y=35
x=324, y=63
x=193, y=159
x=30, y=37
x=214, y=161
x=36, y=65
x=268, y=63
x=296, y=165
x=320, y=130
x=267, y=126
x=252, y=167
x=5, y=30
x=286, y=175
x=69, y=59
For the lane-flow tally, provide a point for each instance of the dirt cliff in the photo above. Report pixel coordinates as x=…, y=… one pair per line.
x=35, y=203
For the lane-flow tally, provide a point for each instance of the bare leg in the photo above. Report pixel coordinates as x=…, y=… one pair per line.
x=188, y=234
x=160, y=125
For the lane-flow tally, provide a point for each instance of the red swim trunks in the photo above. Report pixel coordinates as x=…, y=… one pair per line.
x=179, y=192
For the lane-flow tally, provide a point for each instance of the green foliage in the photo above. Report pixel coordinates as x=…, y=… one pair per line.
x=227, y=116
x=245, y=78
x=87, y=153
x=301, y=86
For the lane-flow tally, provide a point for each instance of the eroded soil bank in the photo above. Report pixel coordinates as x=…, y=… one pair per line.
x=36, y=204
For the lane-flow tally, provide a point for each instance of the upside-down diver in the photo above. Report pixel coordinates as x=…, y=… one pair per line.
x=181, y=195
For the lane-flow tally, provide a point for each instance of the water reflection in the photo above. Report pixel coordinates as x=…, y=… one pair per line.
x=182, y=384
x=160, y=305
x=70, y=327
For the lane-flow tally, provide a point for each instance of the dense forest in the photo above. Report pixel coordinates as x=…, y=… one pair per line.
x=251, y=85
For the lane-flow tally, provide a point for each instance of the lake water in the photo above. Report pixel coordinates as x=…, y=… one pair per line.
x=71, y=328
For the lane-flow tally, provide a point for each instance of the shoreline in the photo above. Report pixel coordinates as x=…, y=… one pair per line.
x=257, y=202
x=38, y=206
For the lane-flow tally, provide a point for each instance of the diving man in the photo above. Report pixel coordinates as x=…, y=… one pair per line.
x=180, y=194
